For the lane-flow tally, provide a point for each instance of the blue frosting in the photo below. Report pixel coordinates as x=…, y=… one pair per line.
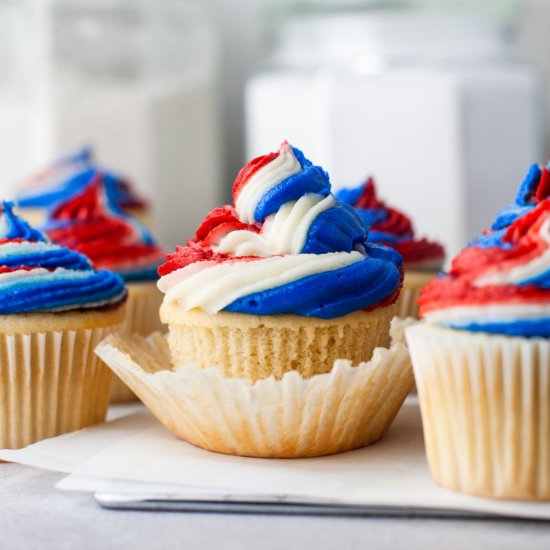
x=75, y=286
x=524, y=201
x=371, y=217
x=69, y=183
x=509, y=215
x=491, y=240
x=528, y=186
x=329, y=294
x=349, y=195
x=18, y=228
x=311, y=179
x=337, y=229
x=536, y=328
x=46, y=293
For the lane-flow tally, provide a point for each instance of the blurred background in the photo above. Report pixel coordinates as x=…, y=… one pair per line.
x=445, y=102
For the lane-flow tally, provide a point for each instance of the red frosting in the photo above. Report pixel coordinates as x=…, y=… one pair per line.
x=8, y=269
x=395, y=223
x=414, y=250
x=543, y=189
x=459, y=289
x=250, y=169
x=217, y=224
x=85, y=223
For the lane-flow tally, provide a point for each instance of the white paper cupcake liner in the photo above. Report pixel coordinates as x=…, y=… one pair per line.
x=349, y=407
x=142, y=316
x=485, y=403
x=51, y=383
x=413, y=283
x=142, y=308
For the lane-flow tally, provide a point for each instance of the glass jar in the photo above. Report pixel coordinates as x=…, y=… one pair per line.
x=427, y=96
x=134, y=79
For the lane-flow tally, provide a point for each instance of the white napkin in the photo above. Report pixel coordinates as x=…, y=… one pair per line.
x=135, y=454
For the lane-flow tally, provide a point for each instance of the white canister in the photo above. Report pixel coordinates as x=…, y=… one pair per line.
x=426, y=97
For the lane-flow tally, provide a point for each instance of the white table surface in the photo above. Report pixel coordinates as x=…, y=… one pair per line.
x=34, y=515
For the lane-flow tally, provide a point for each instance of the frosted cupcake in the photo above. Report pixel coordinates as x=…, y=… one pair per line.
x=261, y=305
x=54, y=309
x=70, y=175
x=87, y=222
x=422, y=259
x=482, y=360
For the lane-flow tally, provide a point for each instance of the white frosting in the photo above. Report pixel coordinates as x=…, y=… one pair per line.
x=284, y=232
x=283, y=166
x=524, y=272
x=488, y=313
x=25, y=247
x=212, y=287
x=26, y=273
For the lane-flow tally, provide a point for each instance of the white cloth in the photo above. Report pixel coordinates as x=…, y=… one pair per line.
x=135, y=454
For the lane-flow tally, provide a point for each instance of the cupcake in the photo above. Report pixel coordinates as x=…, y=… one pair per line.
x=86, y=221
x=268, y=308
x=54, y=309
x=69, y=175
x=422, y=259
x=482, y=359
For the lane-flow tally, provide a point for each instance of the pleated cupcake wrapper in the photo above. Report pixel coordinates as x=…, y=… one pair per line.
x=51, y=383
x=412, y=285
x=485, y=403
x=142, y=316
x=142, y=310
x=347, y=408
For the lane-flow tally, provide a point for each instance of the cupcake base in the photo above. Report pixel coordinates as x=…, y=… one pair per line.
x=346, y=408
x=413, y=283
x=485, y=403
x=50, y=380
x=256, y=347
x=142, y=316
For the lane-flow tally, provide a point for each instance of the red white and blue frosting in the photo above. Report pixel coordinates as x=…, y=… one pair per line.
x=500, y=283
x=38, y=276
x=71, y=174
x=88, y=222
x=393, y=228
x=286, y=245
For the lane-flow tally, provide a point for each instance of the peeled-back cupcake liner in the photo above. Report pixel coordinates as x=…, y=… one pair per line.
x=413, y=283
x=255, y=347
x=142, y=316
x=51, y=383
x=346, y=408
x=485, y=403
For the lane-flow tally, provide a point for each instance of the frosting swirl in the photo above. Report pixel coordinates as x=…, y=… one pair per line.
x=87, y=222
x=71, y=174
x=38, y=276
x=393, y=228
x=500, y=283
x=285, y=246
